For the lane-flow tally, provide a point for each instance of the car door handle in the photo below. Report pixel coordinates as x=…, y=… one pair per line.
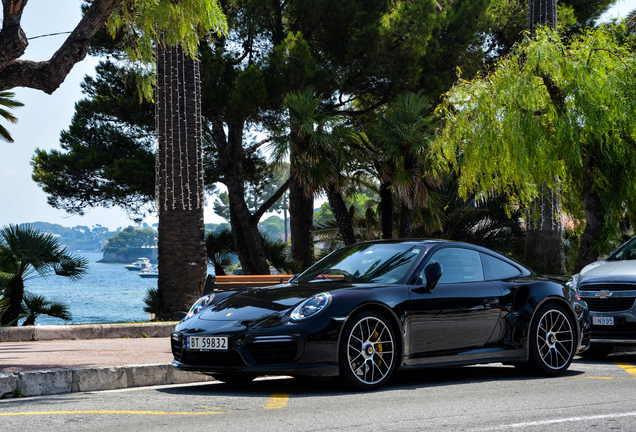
x=491, y=303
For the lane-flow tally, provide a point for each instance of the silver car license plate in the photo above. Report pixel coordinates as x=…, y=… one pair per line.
x=603, y=321
x=207, y=343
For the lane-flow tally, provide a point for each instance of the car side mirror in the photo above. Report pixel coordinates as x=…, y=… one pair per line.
x=433, y=273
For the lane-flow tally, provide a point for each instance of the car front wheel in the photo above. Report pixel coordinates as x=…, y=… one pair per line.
x=552, y=340
x=367, y=351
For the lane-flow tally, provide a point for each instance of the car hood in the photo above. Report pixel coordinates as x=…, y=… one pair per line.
x=259, y=303
x=609, y=271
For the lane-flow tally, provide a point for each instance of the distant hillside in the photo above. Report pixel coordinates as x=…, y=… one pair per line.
x=78, y=238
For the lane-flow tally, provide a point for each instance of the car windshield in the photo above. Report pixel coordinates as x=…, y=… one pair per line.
x=366, y=263
x=625, y=252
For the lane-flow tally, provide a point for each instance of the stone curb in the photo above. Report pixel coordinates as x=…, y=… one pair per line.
x=72, y=380
x=86, y=331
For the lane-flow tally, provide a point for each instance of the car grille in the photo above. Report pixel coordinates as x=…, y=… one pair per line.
x=176, y=348
x=608, y=287
x=609, y=304
x=276, y=349
x=625, y=331
x=216, y=358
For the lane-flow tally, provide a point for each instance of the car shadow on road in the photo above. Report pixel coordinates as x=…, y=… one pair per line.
x=401, y=380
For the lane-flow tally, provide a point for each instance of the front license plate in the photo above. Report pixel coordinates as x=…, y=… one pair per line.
x=605, y=321
x=207, y=343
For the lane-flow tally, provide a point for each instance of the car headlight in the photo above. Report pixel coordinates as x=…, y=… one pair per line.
x=200, y=304
x=574, y=282
x=310, y=307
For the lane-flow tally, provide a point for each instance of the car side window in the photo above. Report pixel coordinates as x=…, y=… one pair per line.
x=458, y=265
x=496, y=269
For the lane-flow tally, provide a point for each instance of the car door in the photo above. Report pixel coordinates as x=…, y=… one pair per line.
x=460, y=313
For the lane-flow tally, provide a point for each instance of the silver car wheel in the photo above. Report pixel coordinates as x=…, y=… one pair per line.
x=555, y=339
x=370, y=350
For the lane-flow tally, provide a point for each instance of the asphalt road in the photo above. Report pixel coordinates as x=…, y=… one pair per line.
x=592, y=396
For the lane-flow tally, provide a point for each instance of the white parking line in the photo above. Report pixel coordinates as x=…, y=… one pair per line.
x=555, y=421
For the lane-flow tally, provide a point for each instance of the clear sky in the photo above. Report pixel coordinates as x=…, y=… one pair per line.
x=44, y=116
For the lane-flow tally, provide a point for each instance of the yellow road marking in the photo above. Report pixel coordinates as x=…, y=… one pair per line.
x=627, y=367
x=277, y=401
x=113, y=412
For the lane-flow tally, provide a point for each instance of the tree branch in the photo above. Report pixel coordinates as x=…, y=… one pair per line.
x=272, y=200
x=46, y=75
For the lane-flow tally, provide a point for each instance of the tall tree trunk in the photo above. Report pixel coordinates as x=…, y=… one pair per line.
x=15, y=289
x=180, y=196
x=594, y=216
x=544, y=235
x=406, y=221
x=340, y=212
x=541, y=12
x=386, y=208
x=407, y=208
x=244, y=225
x=301, y=221
x=544, y=250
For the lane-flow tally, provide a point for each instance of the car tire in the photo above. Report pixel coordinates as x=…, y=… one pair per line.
x=552, y=340
x=597, y=351
x=235, y=378
x=368, y=351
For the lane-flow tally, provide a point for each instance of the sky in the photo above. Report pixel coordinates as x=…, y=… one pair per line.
x=44, y=116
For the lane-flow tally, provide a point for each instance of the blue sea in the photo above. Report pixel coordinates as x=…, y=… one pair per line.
x=107, y=293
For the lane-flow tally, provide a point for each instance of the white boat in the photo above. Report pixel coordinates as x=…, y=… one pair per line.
x=150, y=272
x=139, y=265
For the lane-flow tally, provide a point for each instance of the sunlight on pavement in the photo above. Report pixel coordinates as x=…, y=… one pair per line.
x=277, y=401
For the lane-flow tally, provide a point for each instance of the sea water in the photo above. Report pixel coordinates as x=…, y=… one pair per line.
x=107, y=293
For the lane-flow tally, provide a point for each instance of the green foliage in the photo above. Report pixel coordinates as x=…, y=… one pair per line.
x=150, y=300
x=132, y=238
x=148, y=23
x=26, y=253
x=7, y=102
x=220, y=249
x=107, y=155
x=550, y=112
x=35, y=305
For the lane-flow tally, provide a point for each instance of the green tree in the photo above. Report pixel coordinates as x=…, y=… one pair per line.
x=404, y=134
x=130, y=237
x=25, y=253
x=552, y=111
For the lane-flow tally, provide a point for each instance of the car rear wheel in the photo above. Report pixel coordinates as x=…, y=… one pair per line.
x=367, y=351
x=552, y=340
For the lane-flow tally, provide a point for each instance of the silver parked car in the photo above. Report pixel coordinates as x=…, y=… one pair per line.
x=609, y=288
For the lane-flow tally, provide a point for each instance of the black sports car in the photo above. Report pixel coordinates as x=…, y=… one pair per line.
x=371, y=308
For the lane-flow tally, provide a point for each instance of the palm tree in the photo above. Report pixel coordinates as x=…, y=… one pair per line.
x=319, y=155
x=544, y=249
x=181, y=240
x=26, y=253
x=7, y=101
x=403, y=135
x=35, y=305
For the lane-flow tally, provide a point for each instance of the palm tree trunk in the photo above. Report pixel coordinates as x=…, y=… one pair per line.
x=301, y=221
x=544, y=249
x=594, y=216
x=386, y=206
x=15, y=289
x=340, y=212
x=180, y=196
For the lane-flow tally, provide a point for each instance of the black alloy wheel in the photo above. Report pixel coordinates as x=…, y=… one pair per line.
x=368, y=351
x=552, y=340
